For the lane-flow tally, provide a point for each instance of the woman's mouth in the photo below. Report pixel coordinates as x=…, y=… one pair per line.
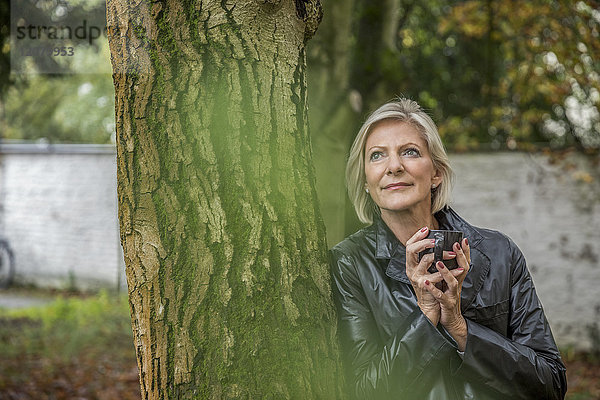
x=397, y=185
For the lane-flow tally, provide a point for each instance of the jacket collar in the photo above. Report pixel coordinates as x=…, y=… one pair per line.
x=389, y=247
x=386, y=242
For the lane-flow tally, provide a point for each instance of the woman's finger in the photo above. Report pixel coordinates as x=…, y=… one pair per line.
x=437, y=276
x=431, y=288
x=461, y=257
x=428, y=259
x=466, y=249
x=433, y=277
x=449, y=255
x=449, y=278
x=421, y=266
x=412, y=255
x=416, y=247
x=457, y=272
x=420, y=234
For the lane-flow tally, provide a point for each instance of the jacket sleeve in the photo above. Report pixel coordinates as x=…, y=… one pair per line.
x=525, y=364
x=381, y=369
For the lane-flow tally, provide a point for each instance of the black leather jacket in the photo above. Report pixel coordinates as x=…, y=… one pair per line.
x=392, y=349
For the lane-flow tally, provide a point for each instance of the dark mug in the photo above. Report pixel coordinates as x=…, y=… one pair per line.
x=444, y=240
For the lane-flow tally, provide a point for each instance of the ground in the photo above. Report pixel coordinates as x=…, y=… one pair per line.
x=42, y=358
x=65, y=345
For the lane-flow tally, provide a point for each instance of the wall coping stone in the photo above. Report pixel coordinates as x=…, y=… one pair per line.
x=61, y=148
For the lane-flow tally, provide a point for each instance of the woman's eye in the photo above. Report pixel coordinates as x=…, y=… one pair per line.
x=376, y=155
x=411, y=152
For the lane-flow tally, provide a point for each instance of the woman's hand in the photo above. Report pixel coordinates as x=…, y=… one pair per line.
x=420, y=278
x=449, y=300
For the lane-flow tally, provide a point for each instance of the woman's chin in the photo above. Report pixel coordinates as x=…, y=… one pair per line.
x=397, y=208
x=403, y=206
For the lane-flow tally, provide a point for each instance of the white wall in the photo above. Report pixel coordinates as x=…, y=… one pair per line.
x=552, y=212
x=59, y=211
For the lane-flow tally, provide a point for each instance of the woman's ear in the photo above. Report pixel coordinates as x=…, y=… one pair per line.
x=436, y=179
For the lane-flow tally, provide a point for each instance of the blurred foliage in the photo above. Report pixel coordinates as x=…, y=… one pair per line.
x=74, y=104
x=69, y=109
x=535, y=66
x=501, y=74
x=583, y=375
x=494, y=74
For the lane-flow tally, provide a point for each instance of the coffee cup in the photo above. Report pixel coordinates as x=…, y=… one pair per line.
x=444, y=240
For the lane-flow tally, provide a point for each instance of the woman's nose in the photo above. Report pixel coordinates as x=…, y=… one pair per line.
x=395, y=165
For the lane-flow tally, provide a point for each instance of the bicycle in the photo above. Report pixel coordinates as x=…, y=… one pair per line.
x=7, y=264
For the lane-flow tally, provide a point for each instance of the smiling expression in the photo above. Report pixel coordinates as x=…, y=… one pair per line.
x=398, y=168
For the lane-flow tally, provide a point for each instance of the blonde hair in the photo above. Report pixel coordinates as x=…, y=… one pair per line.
x=402, y=110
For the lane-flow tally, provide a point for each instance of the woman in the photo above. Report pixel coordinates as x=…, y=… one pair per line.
x=484, y=335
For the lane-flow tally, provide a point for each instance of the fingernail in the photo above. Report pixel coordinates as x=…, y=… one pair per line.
x=456, y=246
x=427, y=282
x=423, y=229
x=460, y=269
x=440, y=265
x=466, y=241
x=451, y=253
x=432, y=241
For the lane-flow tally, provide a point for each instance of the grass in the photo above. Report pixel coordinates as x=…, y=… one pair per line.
x=583, y=375
x=81, y=347
x=72, y=348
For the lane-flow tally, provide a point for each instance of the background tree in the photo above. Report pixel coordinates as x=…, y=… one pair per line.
x=5, y=78
x=495, y=75
x=224, y=246
x=347, y=59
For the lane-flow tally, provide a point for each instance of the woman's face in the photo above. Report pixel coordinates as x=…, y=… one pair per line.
x=398, y=168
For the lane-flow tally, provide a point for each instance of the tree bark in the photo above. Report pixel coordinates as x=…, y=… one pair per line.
x=224, y=245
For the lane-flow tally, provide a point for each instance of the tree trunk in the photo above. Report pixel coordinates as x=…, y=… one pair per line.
x=224, y=245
